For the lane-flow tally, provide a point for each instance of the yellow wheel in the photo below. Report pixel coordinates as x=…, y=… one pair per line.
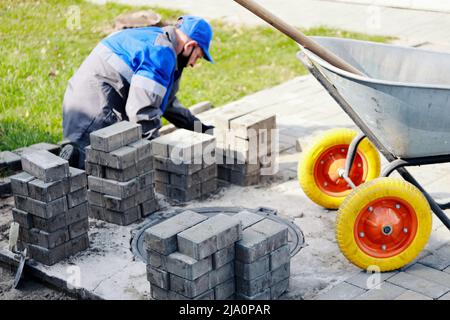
x=318, y=170
x=383, y=224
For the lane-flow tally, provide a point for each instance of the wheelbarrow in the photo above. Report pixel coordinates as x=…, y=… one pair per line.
x=399, y=98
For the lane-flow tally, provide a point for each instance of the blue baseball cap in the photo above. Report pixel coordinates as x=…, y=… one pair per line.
x=199, y=30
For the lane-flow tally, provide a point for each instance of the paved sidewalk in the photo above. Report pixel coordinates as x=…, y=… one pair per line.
x=408, y=25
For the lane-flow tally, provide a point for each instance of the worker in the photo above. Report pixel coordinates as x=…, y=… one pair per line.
x=134, y=75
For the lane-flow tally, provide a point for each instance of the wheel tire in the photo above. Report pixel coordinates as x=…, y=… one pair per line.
x=383, y=224
x=320, y=182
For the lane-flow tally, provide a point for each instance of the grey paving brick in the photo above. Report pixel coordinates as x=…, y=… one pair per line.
x=93, y=169
x=44, y=146
x=5, y=187
x=78, y=179
x=158, y=277
x=145, y=195
x=208, y=295
x=189, y=288
x=119, y=204
x=145, y=165
x=49, y=225
x=248, y=218
x=113, y=188
x=252, y=246
x=222, y=257
x=159, y=293
x=412, y=295
x=279, y=257
x=45, y=165
x=368, y=280
x=48, y=240
x=46, y=210
x=160, y=146
x=115, y=136
x=10, y=161
x=244, y=180
x=280, y=274
x=77, y=245
x=184, y=182
x=225, y=289
x=96, y=212
x=386, y=291
x=254, y=286
x=96, y=198
x=276, y=233
x=121, y=175
x=22, y=218
x=78, y=228
x=439, y=259
x=420, y=285
x=279, y=288
x=143, y=148
x=162, y=237
x=178, y=194
x=187, y=267
x=77, y=213
x=148, y=207
x=165, y=164
x=19, y=183
x=343, y=291
x=47, y=192
x=221, y=274
x=264, y=295
x=146, y=180
x=212, y=235
x=118, y=159
x=249, y=271
x=163, y=176
x=123, y=218
x=47, y=256
x=209, y=187
x=429, y=274
x=157, y=260
x=77, y=197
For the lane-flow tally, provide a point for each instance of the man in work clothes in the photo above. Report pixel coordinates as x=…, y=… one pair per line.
x=133, y=75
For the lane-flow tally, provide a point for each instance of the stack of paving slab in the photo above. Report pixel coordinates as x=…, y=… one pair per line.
x=185, y=165
x=119, y=164
x=50, y=207
x=244, y=146
x=262, y=258
x=191, y=257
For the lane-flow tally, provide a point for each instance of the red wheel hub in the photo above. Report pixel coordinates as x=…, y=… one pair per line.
x=385, y=227
x=326, y=171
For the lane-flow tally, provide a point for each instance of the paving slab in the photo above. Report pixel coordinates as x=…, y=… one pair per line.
x=386, y=291
x=420, y=285
x=412, y=295
x=343, y=291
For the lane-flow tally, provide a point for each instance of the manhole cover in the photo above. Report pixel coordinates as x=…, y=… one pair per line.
x=295, y=236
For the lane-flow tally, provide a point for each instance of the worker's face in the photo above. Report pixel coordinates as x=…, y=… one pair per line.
x=191, y=53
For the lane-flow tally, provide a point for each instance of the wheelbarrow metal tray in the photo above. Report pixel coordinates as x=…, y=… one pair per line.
x=404, y=101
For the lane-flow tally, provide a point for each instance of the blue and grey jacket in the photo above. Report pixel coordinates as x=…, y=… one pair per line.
x=130, y=75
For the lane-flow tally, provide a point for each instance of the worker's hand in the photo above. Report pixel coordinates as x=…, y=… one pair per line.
x=208, y=129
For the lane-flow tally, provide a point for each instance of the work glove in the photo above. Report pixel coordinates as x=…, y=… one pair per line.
x=207, y=129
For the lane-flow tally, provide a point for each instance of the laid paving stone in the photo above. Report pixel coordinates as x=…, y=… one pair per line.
x=387, y=291
x=412, y=295
x=208, y=237
x=439, y=259
x=420, y=285
x=368, y=280
x=343, y=291
x=162, y=237
x=115, y=136
x=45, y=165
x=429, y=274
x=445, y=296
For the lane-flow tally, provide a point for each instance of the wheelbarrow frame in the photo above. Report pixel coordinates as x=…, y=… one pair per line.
x=395, y=163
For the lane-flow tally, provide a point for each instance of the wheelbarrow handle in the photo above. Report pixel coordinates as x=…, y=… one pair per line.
x=298, y=36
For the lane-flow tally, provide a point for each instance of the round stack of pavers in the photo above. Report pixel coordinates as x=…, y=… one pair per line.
x=51, y=207
x=246, y=146
x=119, y=164
x=185, y=165
x=224, y=257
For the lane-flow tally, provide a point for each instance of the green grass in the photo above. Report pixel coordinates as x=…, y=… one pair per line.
x=39, y=53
